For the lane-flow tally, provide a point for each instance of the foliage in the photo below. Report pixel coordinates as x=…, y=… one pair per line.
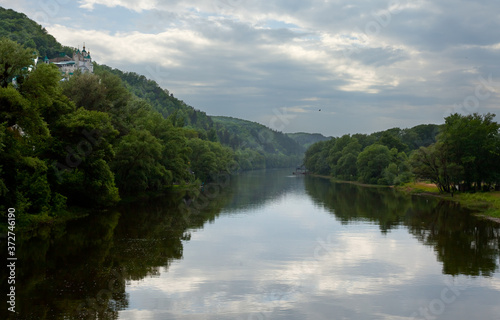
x=379, y=158
x=18, y=28
x=256, y=144
x=371, y=163
x=14, y=61
x=466, y=154
x=82, y=141
x=209, y=158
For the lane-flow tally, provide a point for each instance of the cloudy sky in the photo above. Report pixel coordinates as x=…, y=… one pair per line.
x=368, y=65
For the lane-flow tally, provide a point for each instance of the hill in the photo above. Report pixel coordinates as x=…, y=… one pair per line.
x=307, y=139
x=18, y=27
x=249, y=138
x=161, y=99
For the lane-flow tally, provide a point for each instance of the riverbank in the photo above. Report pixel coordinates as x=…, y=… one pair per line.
x=34, y=222
x=486, y=204
x=357, y=183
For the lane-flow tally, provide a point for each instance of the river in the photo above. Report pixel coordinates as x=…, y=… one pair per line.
x=265, y=245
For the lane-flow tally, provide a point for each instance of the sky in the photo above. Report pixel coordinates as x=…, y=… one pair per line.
x=321, y=66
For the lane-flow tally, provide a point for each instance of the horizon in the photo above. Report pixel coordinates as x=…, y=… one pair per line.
x=310, y=67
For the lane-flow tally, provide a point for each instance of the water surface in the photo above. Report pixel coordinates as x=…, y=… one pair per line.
x=268, y=245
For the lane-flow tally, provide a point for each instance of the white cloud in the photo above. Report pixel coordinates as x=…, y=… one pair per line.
x=136, y=5
x=242, y=58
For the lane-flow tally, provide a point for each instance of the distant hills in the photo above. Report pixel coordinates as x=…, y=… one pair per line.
x=307, y=139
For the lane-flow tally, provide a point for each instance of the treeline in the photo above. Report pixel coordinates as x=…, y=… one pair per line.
x=88, y=140
x=465, y=157
x=463, y=153
x=379, y=158
x=255, y=145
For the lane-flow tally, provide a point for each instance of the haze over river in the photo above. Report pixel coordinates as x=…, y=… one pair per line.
x=266, y=245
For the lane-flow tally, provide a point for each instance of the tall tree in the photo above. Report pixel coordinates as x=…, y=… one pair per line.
x=372, y=161
x=14, y=61
x=472, y=142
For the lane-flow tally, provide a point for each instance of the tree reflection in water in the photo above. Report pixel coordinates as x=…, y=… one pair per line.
x=464, y=243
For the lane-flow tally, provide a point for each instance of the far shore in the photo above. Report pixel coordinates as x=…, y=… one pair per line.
x=485, y=204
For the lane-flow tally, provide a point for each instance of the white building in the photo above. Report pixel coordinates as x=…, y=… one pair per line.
x=81, y=61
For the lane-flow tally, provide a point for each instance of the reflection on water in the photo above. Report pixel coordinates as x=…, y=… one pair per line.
x=466, y=245
x=265, y=245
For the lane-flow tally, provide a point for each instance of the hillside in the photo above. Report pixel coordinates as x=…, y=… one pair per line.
x=18, y=27
x=161, y=99
x=307, y=139
x=278, y=149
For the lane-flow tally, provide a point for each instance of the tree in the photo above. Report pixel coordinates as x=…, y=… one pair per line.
x=371, y=162
x=434, y=163
x=137, y=163
x=392, y=141
x=82, y=151
x=14, y=61
x=346, y=166
x=472, y=142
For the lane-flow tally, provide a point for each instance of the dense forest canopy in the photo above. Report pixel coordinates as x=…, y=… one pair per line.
x=462, y=153
x=88, y=140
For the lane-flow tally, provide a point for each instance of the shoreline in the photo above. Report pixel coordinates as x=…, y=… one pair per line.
x=485, y=205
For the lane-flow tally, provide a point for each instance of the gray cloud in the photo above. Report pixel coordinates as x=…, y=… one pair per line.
x=369, y=66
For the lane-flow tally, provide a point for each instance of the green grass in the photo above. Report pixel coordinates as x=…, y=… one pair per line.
x=419, y=187
x=488, y=203
x=485, y=203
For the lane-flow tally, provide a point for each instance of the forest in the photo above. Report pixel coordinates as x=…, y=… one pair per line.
x=462, y=154
x=87, y=141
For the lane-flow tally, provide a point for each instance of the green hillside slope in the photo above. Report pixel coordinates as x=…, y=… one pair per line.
x=275, y=149
x=18, y=27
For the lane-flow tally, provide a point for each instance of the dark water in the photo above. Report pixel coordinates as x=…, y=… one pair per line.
x=265, y=245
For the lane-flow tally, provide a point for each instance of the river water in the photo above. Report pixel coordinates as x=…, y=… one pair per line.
x=265, y=245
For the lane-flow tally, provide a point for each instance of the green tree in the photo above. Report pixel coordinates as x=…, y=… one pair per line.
x=14, y=61
x=433, y=163
x=371, y=162
x=83, y=152
x=472, y=143
x=346, y=167
x=391, y=141
x=137, y=163
x=209, y=159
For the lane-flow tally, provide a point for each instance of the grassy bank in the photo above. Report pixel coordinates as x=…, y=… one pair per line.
x=487, y=204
